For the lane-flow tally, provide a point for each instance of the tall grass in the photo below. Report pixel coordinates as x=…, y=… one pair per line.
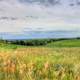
x=40, y=64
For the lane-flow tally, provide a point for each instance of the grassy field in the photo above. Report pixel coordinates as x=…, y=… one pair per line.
x=53, y=44
x=58, y=60
x=40, y=64
x=65, y=43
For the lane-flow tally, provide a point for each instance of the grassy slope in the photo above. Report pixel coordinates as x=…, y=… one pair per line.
x=65, y=43
x=59, y=44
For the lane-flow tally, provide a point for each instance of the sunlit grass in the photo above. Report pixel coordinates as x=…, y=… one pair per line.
x=40, y=64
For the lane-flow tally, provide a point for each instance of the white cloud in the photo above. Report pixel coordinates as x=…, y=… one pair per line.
x=36, y=16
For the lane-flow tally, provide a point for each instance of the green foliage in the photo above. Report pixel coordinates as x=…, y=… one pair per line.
x=61, y=42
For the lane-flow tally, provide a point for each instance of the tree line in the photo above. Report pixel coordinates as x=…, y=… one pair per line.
x=33, y=42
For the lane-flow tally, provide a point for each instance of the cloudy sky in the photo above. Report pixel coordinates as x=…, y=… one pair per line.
x=19, y=16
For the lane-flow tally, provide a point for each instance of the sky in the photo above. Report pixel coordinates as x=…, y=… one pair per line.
x=20, y=16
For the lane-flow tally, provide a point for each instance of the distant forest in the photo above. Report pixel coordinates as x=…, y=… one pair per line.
x=34, y=42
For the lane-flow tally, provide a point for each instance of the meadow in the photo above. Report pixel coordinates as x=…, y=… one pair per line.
x=65, y=43
x=47, y=62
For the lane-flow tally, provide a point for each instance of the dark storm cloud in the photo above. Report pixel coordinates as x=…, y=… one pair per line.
x=52, y=2
x=45, y=2
x=8, y=18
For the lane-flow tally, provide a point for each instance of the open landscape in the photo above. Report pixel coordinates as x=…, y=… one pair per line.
x=56, y=60
x=39, y=39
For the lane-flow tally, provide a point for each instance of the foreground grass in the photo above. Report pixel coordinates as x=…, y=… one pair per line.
x=40, y=64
